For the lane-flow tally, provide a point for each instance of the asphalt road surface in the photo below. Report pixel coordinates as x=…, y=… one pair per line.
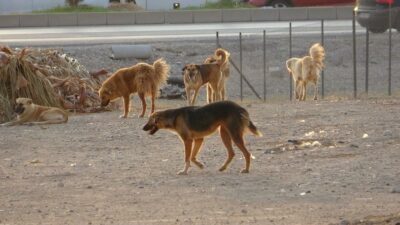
x=58, y=36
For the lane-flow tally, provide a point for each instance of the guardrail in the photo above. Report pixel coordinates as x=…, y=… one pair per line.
x=176, y=17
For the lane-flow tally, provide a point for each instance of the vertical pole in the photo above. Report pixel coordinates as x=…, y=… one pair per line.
x=290, y=56
x=366, y=60
x=264, y=68
x=217, y=35
x=323, y=72
x=354, y=58
x=241, y=64
x=390, y=51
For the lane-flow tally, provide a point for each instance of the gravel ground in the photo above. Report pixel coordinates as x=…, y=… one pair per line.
x=333, y=161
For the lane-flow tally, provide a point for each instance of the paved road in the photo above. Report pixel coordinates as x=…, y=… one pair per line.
x=124, y=34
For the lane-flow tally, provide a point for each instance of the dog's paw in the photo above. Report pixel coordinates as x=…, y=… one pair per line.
x=182, y=172
x=123, y=116
x=244, y=171
x=141, y=116
x=198, y=164
x=222, y=169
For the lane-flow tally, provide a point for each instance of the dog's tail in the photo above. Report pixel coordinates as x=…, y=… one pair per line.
x=223, y=55
x=161, y=71
x=317, y=53
x=249, y=124
x=254, y=129
x=289, y=65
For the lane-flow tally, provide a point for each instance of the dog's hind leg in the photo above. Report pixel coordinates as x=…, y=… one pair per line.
x=209, y=93
x=226, y=139
x=315, y=89
x=188, y=151
x=143, y=100
x=126, y=107
x=153, y=104
x=196, y=149
x=240, y=143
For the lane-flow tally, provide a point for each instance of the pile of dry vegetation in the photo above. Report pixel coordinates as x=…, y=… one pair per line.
x=49, y=78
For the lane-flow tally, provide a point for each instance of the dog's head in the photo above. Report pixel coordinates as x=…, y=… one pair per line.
x=159, y=120
x=190, y=71
x=22, y=105
x=106, y=95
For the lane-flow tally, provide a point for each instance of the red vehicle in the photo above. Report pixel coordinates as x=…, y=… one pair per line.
x=289, y=3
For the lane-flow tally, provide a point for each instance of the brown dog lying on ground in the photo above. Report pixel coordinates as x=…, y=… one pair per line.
x=306, y=69
x=142, y=78
x=29, y=113
x=192, y=124
x=225, y=72
x=195, y=76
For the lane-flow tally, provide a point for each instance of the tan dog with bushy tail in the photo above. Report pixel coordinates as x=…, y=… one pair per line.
x=195, y=76
x=143, y=78
x=225, y=71
x=306, y=69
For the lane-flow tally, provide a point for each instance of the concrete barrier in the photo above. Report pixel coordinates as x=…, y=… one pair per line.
x=207, y=16
x=344, y=13
x=236, y=15
x=264, y=14
x=9, y=21
x=88, y=19
x=291, y=14
x=131, y=51
x=179, y=17
x=121, y=18
x=150, y=17
x=33, y=20
x=63, y=19
x=321, y=13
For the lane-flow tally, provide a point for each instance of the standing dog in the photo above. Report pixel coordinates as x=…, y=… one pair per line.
x=306, y=69
x=192, y=124
x=36, y=114
x=195, y=76
x=143, y=78
x=225, y=71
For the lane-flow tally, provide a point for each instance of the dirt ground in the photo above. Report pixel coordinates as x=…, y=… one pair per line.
x=326, y=162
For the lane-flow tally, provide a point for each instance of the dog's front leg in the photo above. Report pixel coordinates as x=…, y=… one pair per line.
x=141, y=96
x=126, y=107
x=188, y=152
x=196, y=91
x=188, y=97
x=315, y=90
x=153, y=96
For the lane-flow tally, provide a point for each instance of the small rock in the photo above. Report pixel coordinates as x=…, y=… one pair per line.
x=244, y=211
x=387, y=133
x=365, y=136
x=344, y=222
x=395, y=190
x=354, y=146
x=60, y=184
x=89, y=187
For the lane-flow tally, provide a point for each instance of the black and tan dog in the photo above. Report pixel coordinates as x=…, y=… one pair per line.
x=29, y=113
x=195, y=76
x=193, y=124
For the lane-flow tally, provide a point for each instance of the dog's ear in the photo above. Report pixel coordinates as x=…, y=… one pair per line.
x=197, y=67
x=184, y=68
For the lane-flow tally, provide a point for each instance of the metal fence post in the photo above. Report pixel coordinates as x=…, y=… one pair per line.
x=217, y=36
x=390, y=51
x=354, y=57
x=366, y=60
x=290, y=56
x=240, y=66
x=264, y=68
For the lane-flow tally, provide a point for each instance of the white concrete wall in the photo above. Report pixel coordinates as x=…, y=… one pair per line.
x=19, y=6
x=165, y=5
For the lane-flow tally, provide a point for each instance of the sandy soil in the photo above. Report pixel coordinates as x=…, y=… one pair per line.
x=99, y=169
